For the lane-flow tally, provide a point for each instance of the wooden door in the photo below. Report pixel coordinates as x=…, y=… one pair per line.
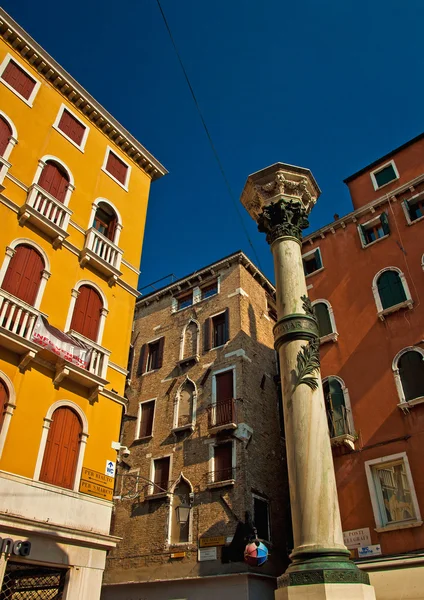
x=223, y=462
x=62, y=449
x=86, y=317
x=23, y=275
x=5, y=135
x=54, y=180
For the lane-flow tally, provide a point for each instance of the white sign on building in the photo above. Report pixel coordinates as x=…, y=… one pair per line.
x=206, y=554
x=355, y=538
x=374, y=550
x=110, y=468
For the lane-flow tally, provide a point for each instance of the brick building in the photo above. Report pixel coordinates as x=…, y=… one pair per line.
x=203, y=427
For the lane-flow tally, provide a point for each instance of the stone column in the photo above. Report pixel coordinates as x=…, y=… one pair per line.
x=279, y=198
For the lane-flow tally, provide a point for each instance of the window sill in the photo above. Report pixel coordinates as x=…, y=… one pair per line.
x=159, y=496
x=219, y=347
x=186, y=361
x=216, y=428
x=375, y=241
x=149, y=372
x=145, y=438
x=218, y=484
x=395, y=526
x=415, y=220
x=330, y=337
x=28, y=102
x=377, y=187
x=122, y=185
x=407, y=403
x=80, y=148
x=188, y=427
x=391, y=309
x=317, y=271
x=344, y=440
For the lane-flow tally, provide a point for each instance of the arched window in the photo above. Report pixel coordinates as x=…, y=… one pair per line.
x=62, y=448
x=87, y=312
x=54, y=179
x=326, y=323
x=390, y=289
x=337, y=405
x=180, y=519
x=185, y=405
x=24, y=273
x=190, y=341
x=408, y=367
x=105, y=220
x=5, y=135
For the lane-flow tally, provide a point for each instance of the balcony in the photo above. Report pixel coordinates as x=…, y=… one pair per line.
x=17, y=321
x=340, y=429
x=102, y=254
x=221, y=478
x=4, y=167
x=46, y=213
x=222, y=415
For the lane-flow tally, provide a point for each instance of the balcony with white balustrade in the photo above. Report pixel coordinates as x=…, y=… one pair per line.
x=17, y=321
x=46, y=213
x=102, y=254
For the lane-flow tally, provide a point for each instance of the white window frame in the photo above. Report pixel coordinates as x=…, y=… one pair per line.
x=152, y=475
x=368, y=225
x=37, y=85
x=404, y=404
x=13, y=140
x=381, y=312
x=381, y=524
x=62, y=108
x=380, y=168
x=330, y=337
x=182, y=338
x=262, y=499
x=119, y=225
x=124, y=186
x=310, y=253
x=139, y=411
x=221, y=312
x=45, y=274
x=347, y=403
x=190, y=425
x=211, y=463
x=103, y=313
x=83, y=440
x=405, y=208
x=8, y=410
x=190, y=522
x=42, y=163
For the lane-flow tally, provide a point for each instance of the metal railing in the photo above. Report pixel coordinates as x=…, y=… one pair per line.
x=17, y=316
x=338, y=424
x=222, y=413
x=48, y=206
x=99, y=356
x=222, y=475
x=103, y=248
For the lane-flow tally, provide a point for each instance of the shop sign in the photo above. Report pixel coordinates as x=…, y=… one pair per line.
x=356, y=538
x=204, y=554
x=16, y=547
x=374, y=550
x=207, y=542
x=96, y=484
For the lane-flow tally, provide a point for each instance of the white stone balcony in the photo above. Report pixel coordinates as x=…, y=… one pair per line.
x=4, y=167
x=46, y=213
x=17, y=320
x=102, y=254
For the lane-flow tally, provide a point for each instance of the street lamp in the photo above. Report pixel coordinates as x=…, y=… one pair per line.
x=183, y=513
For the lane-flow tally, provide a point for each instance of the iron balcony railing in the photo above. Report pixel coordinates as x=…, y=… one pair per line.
x=227, y=474
x=222, y=413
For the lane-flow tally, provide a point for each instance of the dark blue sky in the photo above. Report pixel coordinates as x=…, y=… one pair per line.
x=326, y=85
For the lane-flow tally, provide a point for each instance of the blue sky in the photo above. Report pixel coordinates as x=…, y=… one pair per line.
x=326, y=85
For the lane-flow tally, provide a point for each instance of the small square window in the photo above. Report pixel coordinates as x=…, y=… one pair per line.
x=151, y=356
x=71, y=127
x=312, y=261
x=384, y=175
x=209, y=290
x=185, y=300
x=18, y=80
x=414, y=208
x=116, y=168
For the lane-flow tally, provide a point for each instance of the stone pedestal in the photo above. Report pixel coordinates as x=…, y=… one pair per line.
x=279, y=199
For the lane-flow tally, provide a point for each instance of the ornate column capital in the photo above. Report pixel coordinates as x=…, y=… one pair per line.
x=283, y=218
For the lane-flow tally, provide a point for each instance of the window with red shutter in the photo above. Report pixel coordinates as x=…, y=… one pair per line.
x=18, y=79
x=54, y=180
x=5, y=135
x=146, y=418
x=4, y=398
x=161, y=475
x=223, y=462
x=105, y=220
x=116, y=167
x=72, y=127
x=87, y=312
x=23, y=275
x=62, y=449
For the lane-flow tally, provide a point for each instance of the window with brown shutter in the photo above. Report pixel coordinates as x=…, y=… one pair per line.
x=72, y=127
x=117, y=168
x=161, y=474
x=87, y=312
x=23, y=275
x=155, y=355
x=5, y=135
x=220, y=329
x=223, y=462
x=18, y=79
x=54, y=180
x=62, y=449
x=147, y=411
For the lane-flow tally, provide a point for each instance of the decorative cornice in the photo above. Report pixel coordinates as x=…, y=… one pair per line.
x=52, y=72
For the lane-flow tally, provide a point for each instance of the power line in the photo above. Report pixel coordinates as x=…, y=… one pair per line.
x=205, y=127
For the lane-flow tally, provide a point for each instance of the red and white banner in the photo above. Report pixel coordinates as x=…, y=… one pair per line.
x=60, y=343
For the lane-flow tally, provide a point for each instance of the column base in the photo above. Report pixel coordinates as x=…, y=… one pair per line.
x=326, y=591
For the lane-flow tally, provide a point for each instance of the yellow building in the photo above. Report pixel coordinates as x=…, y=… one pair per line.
x=74, y=188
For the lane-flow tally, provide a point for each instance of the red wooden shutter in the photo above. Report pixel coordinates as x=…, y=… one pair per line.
x=62, y=449
x=5, y=135
x=227, y=325
x=116, y=167
x=146, y=423
x=86, y=316
x=18, y=79
x=72, y=127
x=111, y=229
x=23, y=275
x=161, y=474
x=224, y=386
x=223, y=461
x=142, y=360
x=159, y=361
x=54, y=180
x=4, y=397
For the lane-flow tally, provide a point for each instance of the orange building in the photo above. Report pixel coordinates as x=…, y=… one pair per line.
x=365, y=276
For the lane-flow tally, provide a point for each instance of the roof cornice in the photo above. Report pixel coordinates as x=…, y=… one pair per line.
x=46, y=66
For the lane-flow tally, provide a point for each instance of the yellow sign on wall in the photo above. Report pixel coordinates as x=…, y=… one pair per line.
x=207, y=542
x=96, y=484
